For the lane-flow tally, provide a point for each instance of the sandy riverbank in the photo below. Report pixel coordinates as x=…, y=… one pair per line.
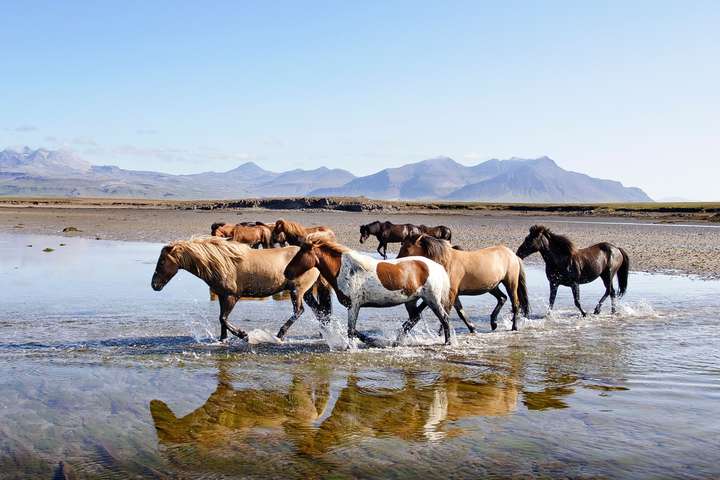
x=690, y=249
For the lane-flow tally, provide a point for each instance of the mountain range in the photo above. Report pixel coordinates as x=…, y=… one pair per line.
x=43, y=172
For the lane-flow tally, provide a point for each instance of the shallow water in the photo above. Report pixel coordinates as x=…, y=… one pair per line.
x=114, y=380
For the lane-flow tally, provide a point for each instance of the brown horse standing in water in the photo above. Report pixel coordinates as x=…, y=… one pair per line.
x=570, y=266
x=294, y=233
x=475, y=273
x=234, y=270
x=250, y=233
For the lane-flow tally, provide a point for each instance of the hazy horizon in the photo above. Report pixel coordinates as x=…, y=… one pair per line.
x=616, y=91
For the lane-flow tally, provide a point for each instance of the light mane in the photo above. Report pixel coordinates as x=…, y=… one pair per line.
x=291, y=228
x=212, y=258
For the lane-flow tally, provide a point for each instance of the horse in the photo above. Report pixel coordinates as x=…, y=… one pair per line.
x=234, y=270
x=294, y=233
x=440, y=232
x=362, y=281
x=569, y=266
x=475, y=273
x=253, y=235
x=387, y=232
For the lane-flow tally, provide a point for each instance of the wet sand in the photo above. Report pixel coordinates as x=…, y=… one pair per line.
x=687, y=249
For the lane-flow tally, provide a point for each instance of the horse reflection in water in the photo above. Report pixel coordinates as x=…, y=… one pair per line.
x=313, y=419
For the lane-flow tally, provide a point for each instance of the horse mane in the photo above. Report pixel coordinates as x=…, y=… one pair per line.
x=292, y=228
x=317, y=241
x=435, y=249
x=215, y=226
x=213, y=258
x=559, y=243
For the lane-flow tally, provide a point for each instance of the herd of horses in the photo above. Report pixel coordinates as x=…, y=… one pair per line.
x=429, y=271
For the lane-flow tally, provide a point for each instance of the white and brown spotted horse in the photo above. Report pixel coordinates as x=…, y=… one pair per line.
x=362, y=281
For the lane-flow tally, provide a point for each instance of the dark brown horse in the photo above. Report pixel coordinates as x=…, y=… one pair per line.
x=569, y=266
x=387, y=232
x=441, y=232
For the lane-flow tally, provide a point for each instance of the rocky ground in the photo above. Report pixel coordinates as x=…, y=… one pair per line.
x=688, y=249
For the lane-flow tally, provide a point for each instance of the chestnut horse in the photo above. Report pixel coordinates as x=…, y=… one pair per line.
x=251, y=234
x=362, y=281
x=234, y=270
x=570, y=266
x=294, y=233
x=475, y=273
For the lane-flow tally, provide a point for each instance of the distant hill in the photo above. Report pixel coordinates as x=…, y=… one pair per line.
x=514, y=180
x=57, y=173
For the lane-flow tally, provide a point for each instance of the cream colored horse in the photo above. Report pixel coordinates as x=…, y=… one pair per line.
x=476, y=272
x=234, y=270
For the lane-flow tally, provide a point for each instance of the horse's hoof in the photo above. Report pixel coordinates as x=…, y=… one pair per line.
x=493, y=326
x=514, y=328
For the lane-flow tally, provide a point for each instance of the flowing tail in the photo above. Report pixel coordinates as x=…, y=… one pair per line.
x=623, y=273
x=522, y=292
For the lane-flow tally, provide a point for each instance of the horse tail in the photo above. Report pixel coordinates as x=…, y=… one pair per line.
x=522, y=292
x=623, y=272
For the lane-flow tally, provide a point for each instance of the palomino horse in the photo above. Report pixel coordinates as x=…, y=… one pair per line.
x=476, y=272
x=253, y=235
x=234, y=270
x=387, y=232
x=294, y=233
x=362, y=281
x=571, y=267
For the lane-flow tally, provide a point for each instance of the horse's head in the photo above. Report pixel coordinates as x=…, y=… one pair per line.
x=535, y=241
x=305, y=259
x=222, y=229
x=367, y=230
x=411, y=247
x=166, y=268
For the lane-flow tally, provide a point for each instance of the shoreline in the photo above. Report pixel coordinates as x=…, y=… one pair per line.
x=653, y=247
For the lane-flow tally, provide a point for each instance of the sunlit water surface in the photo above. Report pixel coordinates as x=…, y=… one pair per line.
x=101, y=377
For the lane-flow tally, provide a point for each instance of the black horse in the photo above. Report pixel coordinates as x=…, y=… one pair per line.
x=387, y=232
x=571, y=267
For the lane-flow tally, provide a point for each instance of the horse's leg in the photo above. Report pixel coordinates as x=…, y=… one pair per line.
x=607, y=280
x=297, y=311
x=227, y=302
x=553, y=294
x=353, y=312
x=612, y=299
x=414, y=316
x=461, y=313
x=444, y=318
x=501, y=299
x=379, y=248
x=576, y=296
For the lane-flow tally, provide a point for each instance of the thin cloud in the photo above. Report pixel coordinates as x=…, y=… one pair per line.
x=26, y=128
x=146, y=131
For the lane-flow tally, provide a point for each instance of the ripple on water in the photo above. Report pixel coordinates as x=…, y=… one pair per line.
x=117, y=380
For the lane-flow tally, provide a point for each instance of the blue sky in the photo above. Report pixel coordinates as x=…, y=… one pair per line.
x=623, y=90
